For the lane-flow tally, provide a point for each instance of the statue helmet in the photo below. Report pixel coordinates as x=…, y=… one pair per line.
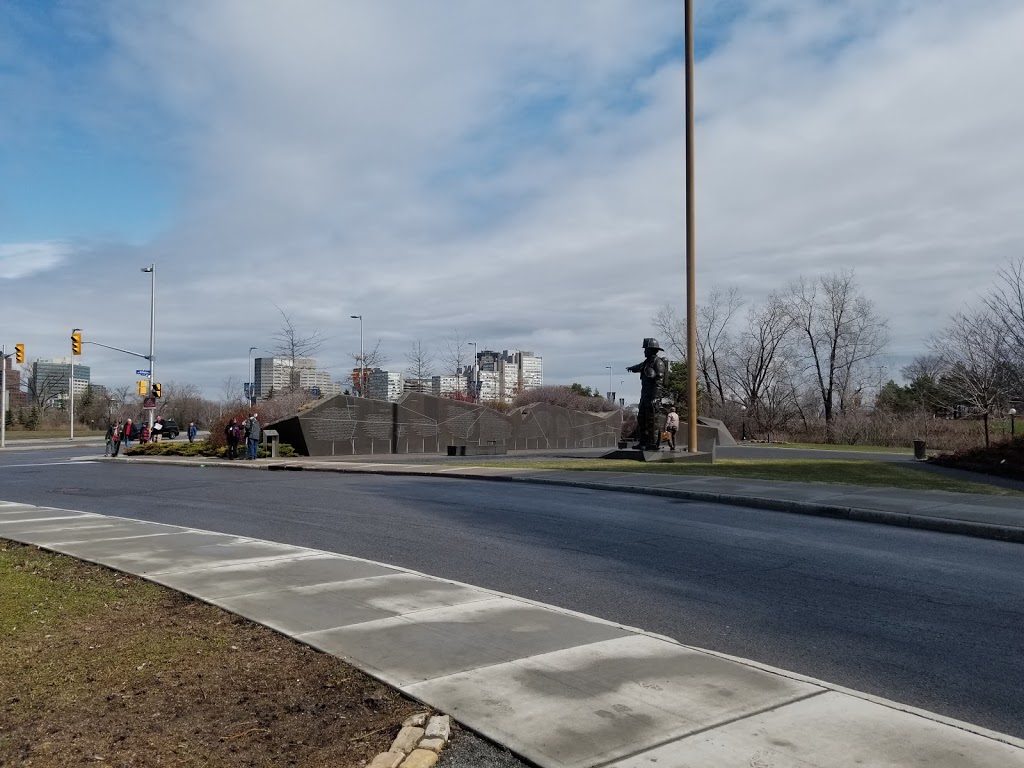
x=651, y=344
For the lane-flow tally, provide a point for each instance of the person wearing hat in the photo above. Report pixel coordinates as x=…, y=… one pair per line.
x=653, y=379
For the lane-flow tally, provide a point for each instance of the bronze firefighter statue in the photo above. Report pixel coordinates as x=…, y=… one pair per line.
x=653, y=385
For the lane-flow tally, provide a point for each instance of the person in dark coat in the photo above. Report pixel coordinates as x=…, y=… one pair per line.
x=233, y=433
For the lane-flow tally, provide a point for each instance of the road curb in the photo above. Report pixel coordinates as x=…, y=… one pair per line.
x=883, y=517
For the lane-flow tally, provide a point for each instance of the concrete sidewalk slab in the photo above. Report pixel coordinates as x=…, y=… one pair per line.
x=318, y=607
x=248, y=578
x=590, y=704
x=563, y=689
x=828, y=731
x=443, y=641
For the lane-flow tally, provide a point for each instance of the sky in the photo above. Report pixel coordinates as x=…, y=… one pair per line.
x=510, y=171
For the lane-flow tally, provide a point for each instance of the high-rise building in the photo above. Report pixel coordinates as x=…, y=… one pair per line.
x=276, y=375
x=15, y=397
x=385, y=385
x=445, y=386
x=50, y=379
x=503, y=375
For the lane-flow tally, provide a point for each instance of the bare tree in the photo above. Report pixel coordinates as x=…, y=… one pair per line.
x=43, y=391
x=974, y=349
x=672, y=330
x=456, y=353
x=291, y=345
x=838, y=329
x=232, y=391
x=421, y=360
x=1006, y=301
x=757, y=356
x=715, y=318
x=928, y=367
x=367, y=361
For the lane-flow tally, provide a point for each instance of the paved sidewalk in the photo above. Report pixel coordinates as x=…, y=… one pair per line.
x=561, y=689
x=993, y=517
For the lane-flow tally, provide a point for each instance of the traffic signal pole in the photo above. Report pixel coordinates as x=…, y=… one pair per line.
x=152, y=338
x=3, y=396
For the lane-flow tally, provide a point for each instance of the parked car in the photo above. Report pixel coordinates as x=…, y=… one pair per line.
x=170, y=430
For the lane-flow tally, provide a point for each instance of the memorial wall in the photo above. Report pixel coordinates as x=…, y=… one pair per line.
x=346, y=426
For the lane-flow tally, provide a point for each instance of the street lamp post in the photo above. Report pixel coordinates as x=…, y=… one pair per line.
x=151, y=269
x=252, y=379
x=691, y=270
x=362, y=361
x=1013, y=422
x=610, y=396
x=743, y=414
x=474, y=381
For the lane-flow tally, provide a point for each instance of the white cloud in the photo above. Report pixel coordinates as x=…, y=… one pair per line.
x=18, y=260
x=516, y=170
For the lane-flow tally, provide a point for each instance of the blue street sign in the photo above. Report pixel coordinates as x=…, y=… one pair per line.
x=142, y=373
x=315, y=391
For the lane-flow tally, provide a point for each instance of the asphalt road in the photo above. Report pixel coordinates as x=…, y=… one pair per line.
x=932, y=620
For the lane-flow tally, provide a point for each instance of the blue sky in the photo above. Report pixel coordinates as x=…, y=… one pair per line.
x=69, y=168
x=511, y=172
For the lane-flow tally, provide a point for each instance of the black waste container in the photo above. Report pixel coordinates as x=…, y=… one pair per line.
x=919, y=450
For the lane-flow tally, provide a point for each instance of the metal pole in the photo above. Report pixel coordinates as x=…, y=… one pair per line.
x=609, y=381
x=473, y=375
x=362, y=361
x=252, y=380
x=3, y=397
x=691, y=240
x=71, y=393
x=152, y=339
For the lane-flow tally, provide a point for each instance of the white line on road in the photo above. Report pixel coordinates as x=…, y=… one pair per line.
x=66, y=463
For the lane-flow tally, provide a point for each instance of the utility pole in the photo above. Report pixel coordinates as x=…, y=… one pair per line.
x=362, y=359
x=691, y=240
x=152, y=336
x=3, y=396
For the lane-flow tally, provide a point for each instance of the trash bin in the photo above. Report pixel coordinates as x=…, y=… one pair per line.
x=919, y=450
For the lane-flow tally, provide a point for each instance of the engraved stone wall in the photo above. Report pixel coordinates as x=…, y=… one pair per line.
x=345, y=426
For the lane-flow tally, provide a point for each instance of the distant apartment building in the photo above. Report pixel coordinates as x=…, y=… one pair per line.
x=49, y=380
x=423, y=386
x=445, y=386
x=15, y=397
x=503, y=375
x=385, y=385
x=276, y=375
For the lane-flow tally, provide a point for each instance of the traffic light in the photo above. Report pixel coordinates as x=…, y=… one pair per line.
x=143, y=386
x=157, y=390
x=19, y=353
x=76, y=343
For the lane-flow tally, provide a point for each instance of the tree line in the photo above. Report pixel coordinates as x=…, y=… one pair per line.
x=808, y=359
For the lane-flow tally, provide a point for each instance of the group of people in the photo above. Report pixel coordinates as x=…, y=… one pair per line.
x=118, y=434
x=249, y=430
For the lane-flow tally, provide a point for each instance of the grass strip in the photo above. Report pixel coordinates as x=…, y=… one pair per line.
x=833, y=471
x=102, y=668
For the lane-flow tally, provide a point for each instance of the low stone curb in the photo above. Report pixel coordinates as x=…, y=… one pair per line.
x=418, y=744
x=902, y=519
